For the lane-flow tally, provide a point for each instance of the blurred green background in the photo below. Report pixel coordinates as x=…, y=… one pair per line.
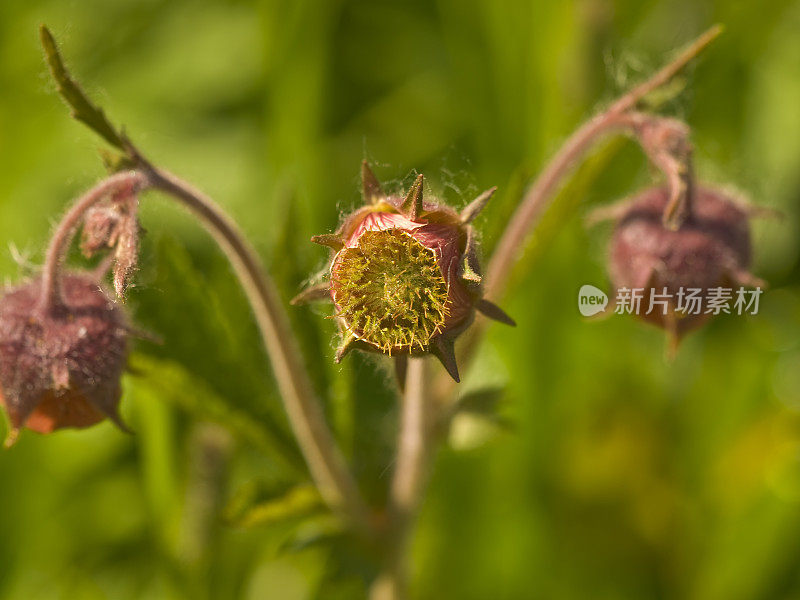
x=606, y=473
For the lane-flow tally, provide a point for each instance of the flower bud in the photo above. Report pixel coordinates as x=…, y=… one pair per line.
x=404, y=277
x=113, y=223
x=62, y=369
x=710, y=249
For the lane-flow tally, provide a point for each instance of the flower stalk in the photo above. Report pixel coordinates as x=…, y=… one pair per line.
x=323, y=456
x=619, y=117
x=414, y=447
x=128, y=181
x=325, y=461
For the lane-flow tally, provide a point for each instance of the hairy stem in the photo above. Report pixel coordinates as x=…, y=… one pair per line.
x=413, y=443
x=416, y=431
x=615, y=119
x=664, y=75
x=51, y=299
x=326, y=463
x=537, y=198
x=577, y=145
x=413, y=454
x=325, y=460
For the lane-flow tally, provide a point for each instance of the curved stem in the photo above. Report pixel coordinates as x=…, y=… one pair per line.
x=416, y=431
x=539, y=195
x=415, y=436
x=543, y=189
x=524, y=221
x=50, y=299
x=325, y=461
x=668, y=71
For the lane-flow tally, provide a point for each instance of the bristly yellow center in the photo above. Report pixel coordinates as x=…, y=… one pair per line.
x=390, y=291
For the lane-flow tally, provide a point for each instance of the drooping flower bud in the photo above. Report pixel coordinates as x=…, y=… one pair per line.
x=404, y=277
x=710, y=249
x=61, y=369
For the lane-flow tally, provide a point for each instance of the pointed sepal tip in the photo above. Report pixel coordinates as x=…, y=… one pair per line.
x=371, y=190
x=491, y=310
x=348, y=343
x=474, y=208
x=444, y=349
x=412, y=205
x=331, y=240
x=314, y=293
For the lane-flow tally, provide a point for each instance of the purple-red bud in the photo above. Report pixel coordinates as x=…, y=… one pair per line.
x=711, y=248
x=62, y=369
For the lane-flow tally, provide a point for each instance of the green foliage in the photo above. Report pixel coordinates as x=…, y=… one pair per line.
x=252, y=507
x=620, y=475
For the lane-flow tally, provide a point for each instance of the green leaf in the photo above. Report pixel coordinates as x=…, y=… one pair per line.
x=663, y=95
x=82, y=108
x=483, y=401
x=323, y=531
x=477, y=418
x=172, y=383
x=251, y=506
x=114, y=162
x=208, y=334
